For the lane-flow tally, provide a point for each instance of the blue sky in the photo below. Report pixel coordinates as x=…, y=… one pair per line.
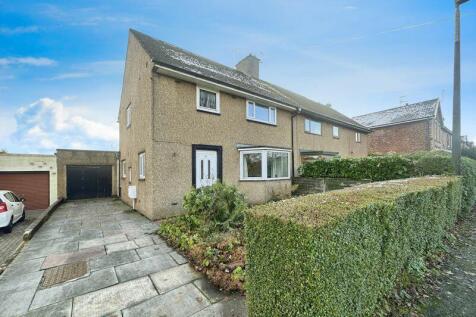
x=61, y=63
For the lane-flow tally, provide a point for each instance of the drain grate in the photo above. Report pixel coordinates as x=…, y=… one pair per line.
x=63, y=273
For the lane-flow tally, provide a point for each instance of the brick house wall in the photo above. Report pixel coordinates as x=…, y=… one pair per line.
x=402, y=138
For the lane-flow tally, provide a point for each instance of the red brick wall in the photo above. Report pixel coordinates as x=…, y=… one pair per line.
x=403, y=138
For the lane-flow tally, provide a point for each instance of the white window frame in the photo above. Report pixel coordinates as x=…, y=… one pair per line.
x=217, y=94
x=338, y=132
x=128, y=116
x=123, y=167
x=358, y=137
x=142, y=165
x=264, y=164
x=252, y=116
x=307, y=127
x=130, y=174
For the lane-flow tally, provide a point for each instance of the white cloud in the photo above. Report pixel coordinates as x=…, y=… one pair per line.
x=33, y=61
x=86, y=70
x=71, y=76
x=19, y=30
x=48, y=124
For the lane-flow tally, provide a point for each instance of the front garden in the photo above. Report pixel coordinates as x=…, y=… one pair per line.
x=338, y=253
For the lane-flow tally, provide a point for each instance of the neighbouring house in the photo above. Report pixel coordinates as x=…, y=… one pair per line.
x=186, y=121
x=31, y=176
x=409, y=128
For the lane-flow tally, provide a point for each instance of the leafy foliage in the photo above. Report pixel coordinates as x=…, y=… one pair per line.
x=222, y=204
x=469, y=152
x=393, y=166
x=301, y=265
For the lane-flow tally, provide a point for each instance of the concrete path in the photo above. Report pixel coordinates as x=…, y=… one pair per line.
x=9, y=242
x=96, y=258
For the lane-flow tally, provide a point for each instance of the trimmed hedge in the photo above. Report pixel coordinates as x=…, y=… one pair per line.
x=394, y=166
x=339, y=253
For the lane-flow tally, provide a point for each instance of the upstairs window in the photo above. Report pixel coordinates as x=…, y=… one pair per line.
x=128, y=116
x=265, y=164
x=208, y=100
x=335, y=132
x=142, y=165
x=357, y=137
x=313, y=127
x=260, y=113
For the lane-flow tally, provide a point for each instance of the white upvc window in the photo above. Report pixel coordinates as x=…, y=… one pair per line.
x=128, y=116
x=265, y=164
x=260, y=113
x=313, y=127
x=123, y=167
x=142, y=165
x=335, y=132
x=208, y=100
x=357, y=137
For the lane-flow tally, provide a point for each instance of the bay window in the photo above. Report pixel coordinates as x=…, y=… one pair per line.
x=260, y=113
x=265, y=164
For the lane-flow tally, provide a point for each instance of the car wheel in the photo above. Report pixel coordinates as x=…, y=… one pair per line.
x=23, y=216
x=9, y=228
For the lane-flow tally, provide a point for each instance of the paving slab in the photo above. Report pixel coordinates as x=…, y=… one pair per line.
x=121, y=246
x=112, y=299
x=144, y=241
x=230, y=307
x=180, y=259
x=50, y=248
x=174, y=277
x=62, y=309
x=183, y=301
x=18, y=282
x=71, y=257
x=18, y=267
x=113, y=259
x=95, y=281
x=209, y=290
x=153, y=250
x=15, y=303
x=102, y=241
x=144, y=267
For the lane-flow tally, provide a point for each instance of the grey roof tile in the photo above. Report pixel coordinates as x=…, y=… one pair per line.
x=165, y=54
x=407, y=113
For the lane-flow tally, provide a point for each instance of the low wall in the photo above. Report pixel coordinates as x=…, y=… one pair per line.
x=310, y=185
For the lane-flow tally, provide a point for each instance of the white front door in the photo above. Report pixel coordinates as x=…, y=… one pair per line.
x=206, y=168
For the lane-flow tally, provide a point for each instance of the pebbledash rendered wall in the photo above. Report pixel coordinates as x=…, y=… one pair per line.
x=165, y=124
x=84, y=157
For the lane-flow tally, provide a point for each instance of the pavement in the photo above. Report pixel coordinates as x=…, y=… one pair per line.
x=98, y=258
x=456, y=295
x=9, y=242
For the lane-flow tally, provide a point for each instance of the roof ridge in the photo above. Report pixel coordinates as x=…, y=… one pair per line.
x=393, y=108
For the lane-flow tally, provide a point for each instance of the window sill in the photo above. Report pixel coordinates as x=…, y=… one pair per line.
x=318, y=134
x=261, y=122
x=265, y=179
x=336, y=137
x=209, y=111
x=141, y=179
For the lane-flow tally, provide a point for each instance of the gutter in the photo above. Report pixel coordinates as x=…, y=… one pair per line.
x=298, y=111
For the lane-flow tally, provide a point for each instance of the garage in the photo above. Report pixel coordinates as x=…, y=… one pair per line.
x=33, y=186
x=88, y=181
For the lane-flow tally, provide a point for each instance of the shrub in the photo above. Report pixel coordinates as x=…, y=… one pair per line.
x=338, y=253
x=222, y=204
x=393, y=166
x=375, y=168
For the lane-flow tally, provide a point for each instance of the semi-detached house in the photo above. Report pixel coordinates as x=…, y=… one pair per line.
x=186, y=121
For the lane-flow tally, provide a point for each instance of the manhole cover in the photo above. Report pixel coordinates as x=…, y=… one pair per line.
x=63, y=273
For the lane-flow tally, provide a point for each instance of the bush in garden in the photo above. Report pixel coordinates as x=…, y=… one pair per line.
x=338, y=253
x=222, y=204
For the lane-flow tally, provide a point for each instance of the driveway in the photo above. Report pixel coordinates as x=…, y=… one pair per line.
x=97, y=258
x=9, y=242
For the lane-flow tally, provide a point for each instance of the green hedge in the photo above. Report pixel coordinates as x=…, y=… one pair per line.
x=394, y=166
x=339, y=253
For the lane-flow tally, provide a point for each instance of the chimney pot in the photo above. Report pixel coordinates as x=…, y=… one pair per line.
x=249, y=65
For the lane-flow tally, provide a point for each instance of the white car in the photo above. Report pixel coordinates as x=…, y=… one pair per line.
x=12, y=210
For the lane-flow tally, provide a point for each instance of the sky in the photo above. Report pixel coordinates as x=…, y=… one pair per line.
x=61, y=63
